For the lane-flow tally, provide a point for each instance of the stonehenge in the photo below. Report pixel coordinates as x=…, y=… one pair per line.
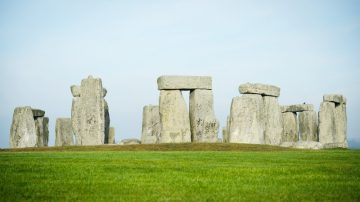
x=63, y=132
x=333, y=121
x=90, y=113
x=111, y=139
x=151, y=126
x=29, y=128
x=255, y=116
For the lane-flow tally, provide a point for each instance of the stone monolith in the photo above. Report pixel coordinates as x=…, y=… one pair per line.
x=204, y=125
x=151, y=126
x=273, y=121
x=63, y=132
x=290, y=127
x=42, y=131
x=327, y=130
x=111, y=135
x=174, y=117
x=308, y=126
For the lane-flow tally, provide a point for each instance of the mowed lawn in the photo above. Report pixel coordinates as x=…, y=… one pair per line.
x=112, y=175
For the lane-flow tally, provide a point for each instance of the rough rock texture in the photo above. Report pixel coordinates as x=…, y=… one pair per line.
x=303, y=145
x=107, y=121
x=246, y=119
x=204, y=125
x=261, y=89
x=308, y=126
x=42, y=131
x=151, y=126
x=335, y=98
x=184, y=82
x=129, y=141
x=75, y=90
x=297, y=108
x=174, y=117
x=273, y=121
x=63, y=132
x=327, y=130
x=111, y=135
x=341, y=125
x=290, y=127
x=29, y=128
x=225, y=134
x=89, y=113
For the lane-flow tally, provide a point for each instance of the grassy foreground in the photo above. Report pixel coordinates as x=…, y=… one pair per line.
x=250, y=173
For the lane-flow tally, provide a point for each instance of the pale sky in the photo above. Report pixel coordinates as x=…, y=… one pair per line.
x=307, y=48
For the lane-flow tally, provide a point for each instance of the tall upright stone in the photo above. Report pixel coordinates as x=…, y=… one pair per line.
x=290, y=127
x=151, y=126
x=89, y=112
x=111, y=135
x=226, y=130
x=29, y=128
x=247, y=119
x=63, y=132
x=308, y=126
x=107, y=122
x=273, y=121
x=333, y=121
x=204, y=125
x=175, y=123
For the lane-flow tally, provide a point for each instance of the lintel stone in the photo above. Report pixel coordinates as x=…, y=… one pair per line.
x=184, y=82
x=334, y=98
x=261, y=89
x=297, y=108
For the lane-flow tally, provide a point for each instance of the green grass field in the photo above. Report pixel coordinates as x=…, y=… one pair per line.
x=193, y=172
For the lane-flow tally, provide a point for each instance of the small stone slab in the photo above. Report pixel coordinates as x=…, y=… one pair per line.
x=261, y=89
x=297, y=108
x=335, y=98
x=75, y=90
x=130, y=141
x=184, y=82
x=38, y=113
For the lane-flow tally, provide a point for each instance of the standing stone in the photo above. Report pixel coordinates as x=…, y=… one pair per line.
x=42, y=131
x=151, y=126
x=290, y=127
x=111, y=135
x=341, y=125
x=225, y=134
x=23, y=131
x=63, y=132
x=107, y=121
x=89, y=112
x=175, y=123
x=308, y=126
x=273, y=121
x=246, y=119
x=29, y=128
x=327, y=128
x=204, y=125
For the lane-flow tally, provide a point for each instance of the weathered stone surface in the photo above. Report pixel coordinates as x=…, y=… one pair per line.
x=246, y=119
x=75, y=90
x=184, y=82
x=308, y=126
x=174, y=118
x=204, y=125
x=111, y=135
x=273, y=121
x=297, y=108
x=38, y=113
x=88, y=115
x=63, y=132
x=107, y=122
x=335, y=145
x=341, y=124
x=327, y=130
x=290, y=127
x=42, y=131
x=225, y=134
x=23, y=130
x=261, y=89
x=303, y=145
x=129, y=142
x=151, y=126
x=339, y=99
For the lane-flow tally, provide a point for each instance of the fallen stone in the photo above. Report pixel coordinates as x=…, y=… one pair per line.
x=204, y=125
x=287, y=144
x=308, y=145
x=184, y=82
x=38, y=113
x=174, y=118
x=290, y=127
x=335, y=98
x=308, y=126
x=246, y=119
x=335, y=145
x=130, y=142
x=297, y=108
x=261, y=89
x=23, y=130
x=327, y=127
x=273, y=121
x=42, y=131
x=151, y=126
x=111, y=135
x=63, y=132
